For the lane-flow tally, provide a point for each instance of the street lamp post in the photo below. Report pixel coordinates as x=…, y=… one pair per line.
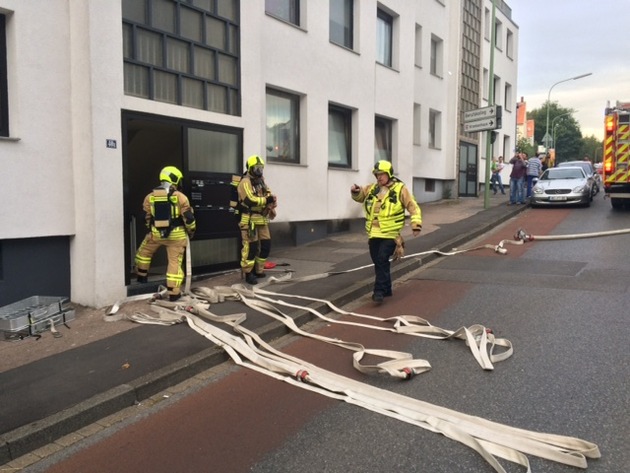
x=549, y=98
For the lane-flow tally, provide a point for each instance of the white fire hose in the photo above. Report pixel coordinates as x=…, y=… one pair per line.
x=491, y=440
x=522, y=235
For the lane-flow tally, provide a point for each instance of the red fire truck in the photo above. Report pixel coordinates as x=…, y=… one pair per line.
x=616, y=168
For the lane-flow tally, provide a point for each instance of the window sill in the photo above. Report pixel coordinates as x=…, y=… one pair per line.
x=9, y=138
x=342, y=46
x=391, y=68
x=285, y=21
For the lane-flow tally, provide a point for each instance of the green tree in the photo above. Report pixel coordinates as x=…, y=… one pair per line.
x=562, y=125
x=523, y=146
x=593, y=148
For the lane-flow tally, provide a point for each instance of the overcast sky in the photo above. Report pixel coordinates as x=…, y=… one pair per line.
x=560, y=39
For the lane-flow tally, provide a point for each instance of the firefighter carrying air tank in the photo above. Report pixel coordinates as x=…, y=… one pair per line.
x=170, y=220
x=256, y=207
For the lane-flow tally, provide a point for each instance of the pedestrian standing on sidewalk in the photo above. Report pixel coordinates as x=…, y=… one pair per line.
x=534, y=169
x=170, y=220
x=384, y=203
x=517, y=176
x=495, y=180
x=257, y=208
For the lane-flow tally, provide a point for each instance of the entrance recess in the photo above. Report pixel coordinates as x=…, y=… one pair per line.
x=208, y=156
x=467, y=178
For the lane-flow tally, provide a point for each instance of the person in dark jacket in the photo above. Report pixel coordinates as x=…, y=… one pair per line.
x=517, y=176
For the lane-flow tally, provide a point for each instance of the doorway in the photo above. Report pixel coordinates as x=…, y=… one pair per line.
x=208, y=155
x=467, y=178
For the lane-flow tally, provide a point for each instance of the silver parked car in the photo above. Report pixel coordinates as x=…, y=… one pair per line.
x=590, y=171
x=562, y=186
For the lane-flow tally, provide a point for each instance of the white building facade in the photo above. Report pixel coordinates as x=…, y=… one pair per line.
x=97, y=96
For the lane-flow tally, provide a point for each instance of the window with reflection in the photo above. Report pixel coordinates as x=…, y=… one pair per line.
x=339, y=136
x=382, y=139
x=287, y=10
x=435, y=129
x=283, y=126
x=341, y=22
x=384, y=32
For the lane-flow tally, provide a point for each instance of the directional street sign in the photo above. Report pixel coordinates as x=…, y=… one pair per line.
x=480, y=113
x=482, y=119
x=481, y=125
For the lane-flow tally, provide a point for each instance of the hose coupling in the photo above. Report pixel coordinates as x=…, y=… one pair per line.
x=301, y=375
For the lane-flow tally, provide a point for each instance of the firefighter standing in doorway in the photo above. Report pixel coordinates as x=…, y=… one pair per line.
x=170, y=219
x=257, y=206
x=384, y=204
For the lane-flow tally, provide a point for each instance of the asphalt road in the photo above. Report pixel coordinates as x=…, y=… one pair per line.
x=563, y=304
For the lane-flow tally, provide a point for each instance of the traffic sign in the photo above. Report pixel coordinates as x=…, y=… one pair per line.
x=481, y=125
x=482, y=119
x=482, y=113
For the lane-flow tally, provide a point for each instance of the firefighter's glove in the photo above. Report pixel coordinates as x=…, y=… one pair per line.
x=416, y=231
x=399, y=252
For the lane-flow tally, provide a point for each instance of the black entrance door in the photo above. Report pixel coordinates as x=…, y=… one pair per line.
x=467, y=178
x=208, y=156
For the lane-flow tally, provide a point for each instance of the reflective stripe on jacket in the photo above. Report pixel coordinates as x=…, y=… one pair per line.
x=252, y=198
x=385, y=209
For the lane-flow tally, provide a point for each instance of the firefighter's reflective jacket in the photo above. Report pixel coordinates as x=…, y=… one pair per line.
x=168, y=214
x=253, y=194
x=385, y=208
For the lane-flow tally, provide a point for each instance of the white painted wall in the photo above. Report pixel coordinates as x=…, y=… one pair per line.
x=66, y=96
x=38, y=167
x=506, y=69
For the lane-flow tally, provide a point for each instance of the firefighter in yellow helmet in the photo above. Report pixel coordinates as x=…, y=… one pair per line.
x=257, y=207
x=170, y=219
x=384, y=203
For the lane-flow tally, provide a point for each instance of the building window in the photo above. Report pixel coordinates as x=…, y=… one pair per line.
x=429, y=185
x=341, y=22
x=382, y=139
x=339, y=137
x=4, y=90
x=498, y=35
x=436, y=56
x=509, y=45
x=486, y=84
x=507, y=102
x=384, y=37
x=287, y=10
x=486, y=24
x=283, y=125
x=418, y=47
x=435, y=129
x=226, y=150
x=417, y=130
x=497, y=91
x=183, y=52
